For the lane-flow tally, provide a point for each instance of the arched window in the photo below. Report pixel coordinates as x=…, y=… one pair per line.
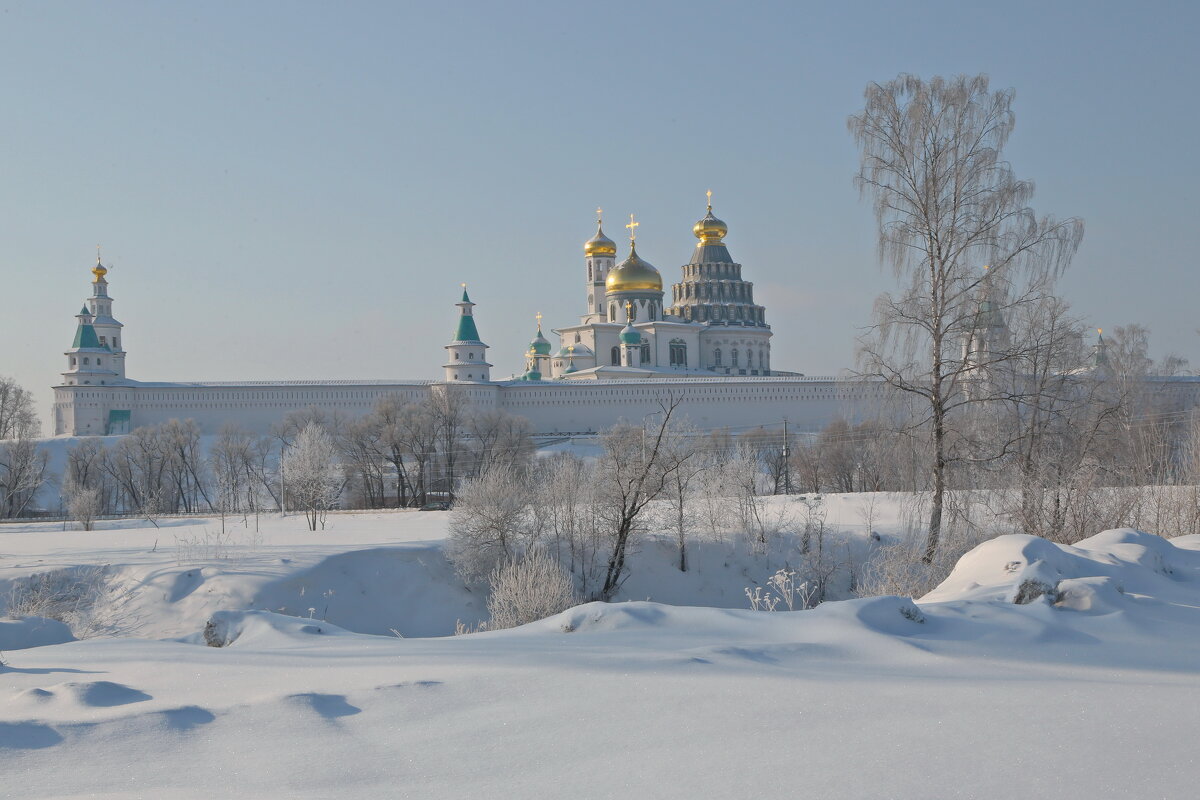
x=717, y=357
x=734, y=358
x=589, y=270
x=470, y=356
x=612, y=314
x=678, y=353
x=653, y=312
x=85, y=361
x=616, y=356
x=645, y=352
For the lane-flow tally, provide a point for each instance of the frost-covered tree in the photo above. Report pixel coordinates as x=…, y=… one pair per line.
x=83, y=506
x=491, y=522
x=947, y=205
x=314, y=477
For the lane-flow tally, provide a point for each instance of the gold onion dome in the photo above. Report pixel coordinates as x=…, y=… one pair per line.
x=710, y=230
x=99, y=270
x=599, y=245
x=633, y=275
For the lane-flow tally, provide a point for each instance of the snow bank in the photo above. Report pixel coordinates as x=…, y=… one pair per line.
x=1103, y=574
x=18, y=634
x=264, y=629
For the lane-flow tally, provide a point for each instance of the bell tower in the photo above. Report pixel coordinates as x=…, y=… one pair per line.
x=108, y=329
x=599, y=253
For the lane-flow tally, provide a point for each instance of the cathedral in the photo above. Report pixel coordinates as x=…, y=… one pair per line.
x=709, y=326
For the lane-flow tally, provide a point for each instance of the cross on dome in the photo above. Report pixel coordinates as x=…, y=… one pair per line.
x=633, y=226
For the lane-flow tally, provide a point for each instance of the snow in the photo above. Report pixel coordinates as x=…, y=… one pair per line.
x=17, y=634
x=1087, y=690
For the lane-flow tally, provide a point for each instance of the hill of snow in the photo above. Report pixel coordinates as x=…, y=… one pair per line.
x=1034, y=670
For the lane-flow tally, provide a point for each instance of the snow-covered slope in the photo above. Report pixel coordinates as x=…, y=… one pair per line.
x=1087, y=690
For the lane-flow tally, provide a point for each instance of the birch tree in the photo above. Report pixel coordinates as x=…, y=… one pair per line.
x=947, y=205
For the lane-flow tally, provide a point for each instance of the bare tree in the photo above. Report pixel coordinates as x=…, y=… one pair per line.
x=947, y=204
x=497, y=437
x=408, y=437
x=18, y=418
x=22, y=473
x=684, y=463
x=632, y=471
x=450, y=408
x=85, y=470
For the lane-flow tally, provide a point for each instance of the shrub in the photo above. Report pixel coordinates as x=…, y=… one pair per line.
x=67, y=595
x=525, y=591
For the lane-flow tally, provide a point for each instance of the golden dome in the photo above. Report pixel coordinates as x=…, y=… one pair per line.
x=710, y=230
x=99, y=271
x=633, y=275
x=599, y=245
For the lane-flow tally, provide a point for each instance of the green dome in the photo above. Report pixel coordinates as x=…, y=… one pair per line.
x=540, y=344
x=629, y=335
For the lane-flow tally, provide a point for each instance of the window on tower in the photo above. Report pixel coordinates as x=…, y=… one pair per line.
x=616, y=356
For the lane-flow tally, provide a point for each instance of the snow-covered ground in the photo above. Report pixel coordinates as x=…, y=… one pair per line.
x=1088, y=690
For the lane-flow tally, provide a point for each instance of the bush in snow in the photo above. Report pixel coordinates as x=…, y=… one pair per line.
x=83, y=506
x=66, y=595
x=525, y=591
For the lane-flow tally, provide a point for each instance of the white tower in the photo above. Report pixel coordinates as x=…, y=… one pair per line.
x=599, y=254
x=108, y=329
x=95, y=357
x=466, y=355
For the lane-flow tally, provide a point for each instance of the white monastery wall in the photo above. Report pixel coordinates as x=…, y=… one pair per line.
x=551, y=406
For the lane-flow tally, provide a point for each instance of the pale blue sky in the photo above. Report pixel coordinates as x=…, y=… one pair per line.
x=295, y=190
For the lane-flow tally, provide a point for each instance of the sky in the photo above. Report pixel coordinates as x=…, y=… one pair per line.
x=295, y=190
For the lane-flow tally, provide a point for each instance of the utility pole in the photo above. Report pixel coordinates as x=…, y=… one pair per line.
x=787, y=467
